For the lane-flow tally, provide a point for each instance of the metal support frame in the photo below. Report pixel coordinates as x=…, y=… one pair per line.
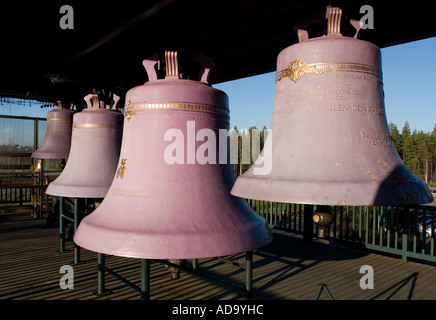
x=144, y=289
x=41, y=189
x=61, y=225
x=75, y=220
x=76, y=225
x=323, y=287
x=308, y=223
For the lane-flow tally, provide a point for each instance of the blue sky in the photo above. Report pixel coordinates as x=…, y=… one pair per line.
x=409, y=77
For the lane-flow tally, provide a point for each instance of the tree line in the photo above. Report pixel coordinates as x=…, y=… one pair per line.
x=417, y=149
x=248, y=141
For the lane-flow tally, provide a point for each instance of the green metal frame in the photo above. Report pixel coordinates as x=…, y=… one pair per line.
x=144, y=289
x=323, y=287
x=377, y=228
x=75, y=220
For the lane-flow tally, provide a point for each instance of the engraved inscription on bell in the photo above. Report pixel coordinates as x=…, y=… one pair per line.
x=332, y=144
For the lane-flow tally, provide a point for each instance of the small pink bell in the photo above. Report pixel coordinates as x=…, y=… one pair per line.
x=95, y=149
x=57, y=139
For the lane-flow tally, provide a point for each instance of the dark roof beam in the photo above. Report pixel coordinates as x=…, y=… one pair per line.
x=130, y=23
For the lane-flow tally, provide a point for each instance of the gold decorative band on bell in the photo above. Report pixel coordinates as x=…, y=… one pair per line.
x=57, y=119
x=94, y=126
x=131, y=109
x=298, y=68
x=122, y=169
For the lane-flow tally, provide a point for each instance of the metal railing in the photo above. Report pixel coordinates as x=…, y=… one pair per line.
x=16, y=196
x=408, y=232
x=23, y=179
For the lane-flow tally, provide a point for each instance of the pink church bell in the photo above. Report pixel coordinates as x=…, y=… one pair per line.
x=57, y=139
x=170, y=197
x=330, y=142
x=94, y=153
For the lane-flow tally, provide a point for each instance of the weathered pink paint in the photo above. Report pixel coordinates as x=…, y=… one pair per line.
x=330, y=139
x=157, y=210
x=95, y=149
x=57, y=139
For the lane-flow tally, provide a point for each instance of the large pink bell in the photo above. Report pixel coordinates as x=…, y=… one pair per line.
x=330, y=143
x=95, y=149
x=57, y=139
x=170, y=198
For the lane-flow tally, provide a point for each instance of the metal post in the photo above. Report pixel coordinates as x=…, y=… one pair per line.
x=101, y=273
x=76, y=225
x=195, y=264
x=308, y=223
x=405, y=234
x=321, y=287
x=145, y=279
x=318, y=292
x=47, y=169
x=61, y=225
x=41, y=189
x=248, y=273
x=35, y=146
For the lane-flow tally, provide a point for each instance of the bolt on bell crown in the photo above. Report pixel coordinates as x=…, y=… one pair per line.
x=95, y=148
x=159, y=209
x=332, y=144
x=57, y=139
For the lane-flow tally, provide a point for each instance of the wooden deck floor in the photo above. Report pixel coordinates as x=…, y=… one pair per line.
x=286, y=269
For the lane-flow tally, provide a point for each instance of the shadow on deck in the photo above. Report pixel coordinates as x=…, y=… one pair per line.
x=286, y=269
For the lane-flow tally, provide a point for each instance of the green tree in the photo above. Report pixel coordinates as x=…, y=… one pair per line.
x=242, y=148
x=396, y=137
x=432, y=143
x=264, y=134
x=235, y=149
x=421, y=155
x=407, y=145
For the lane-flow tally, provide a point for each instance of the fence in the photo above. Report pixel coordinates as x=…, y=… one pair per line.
x=408, y=232
x=16, y=196
x=23, y=179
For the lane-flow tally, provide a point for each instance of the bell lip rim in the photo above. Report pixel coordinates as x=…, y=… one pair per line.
x=324, y=38
x=61, y=111
x=95, y=109
x=331, y=203
x=219, y=97
x=83, y=241
x=63, y=116
x=238, y=187
x=50, y=156
x=76, y=191
x=177, y=82
x=334, y=38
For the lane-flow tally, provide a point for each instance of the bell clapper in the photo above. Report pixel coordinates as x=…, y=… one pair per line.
x=175, y=272
x=322, y=217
